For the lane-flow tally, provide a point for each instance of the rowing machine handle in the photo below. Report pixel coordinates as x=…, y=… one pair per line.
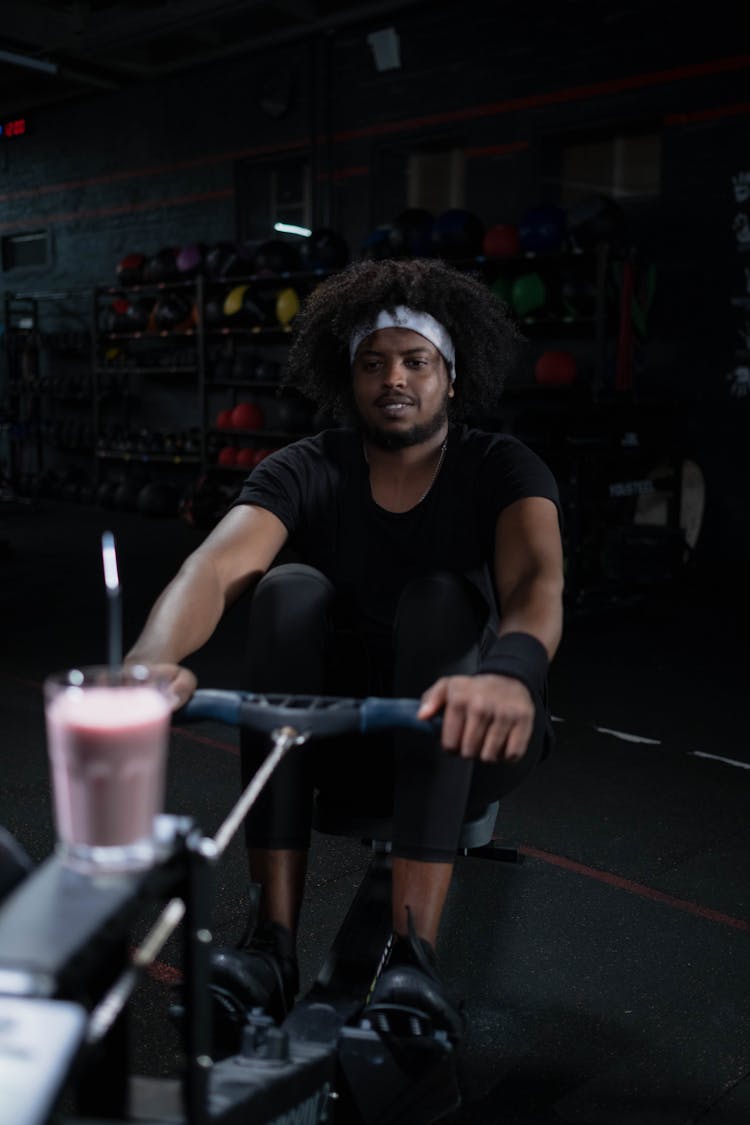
x=318, y=715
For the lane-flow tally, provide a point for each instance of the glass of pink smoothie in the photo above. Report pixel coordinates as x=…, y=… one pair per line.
x=107, y=740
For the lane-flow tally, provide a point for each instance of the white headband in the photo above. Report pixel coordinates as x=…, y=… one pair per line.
x=421, y=322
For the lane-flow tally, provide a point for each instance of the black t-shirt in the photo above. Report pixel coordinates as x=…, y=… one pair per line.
x=319, y=488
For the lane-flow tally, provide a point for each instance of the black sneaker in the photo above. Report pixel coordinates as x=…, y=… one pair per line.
x=411, y=984
x=262, y=972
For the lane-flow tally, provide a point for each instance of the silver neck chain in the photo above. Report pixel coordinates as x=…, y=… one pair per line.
x=435, y=475
x=438, y=467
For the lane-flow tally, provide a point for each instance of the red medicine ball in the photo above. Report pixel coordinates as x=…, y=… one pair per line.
x=501, y=241
x=224, y=419
x=247, y=416
x=556, y=368
x=245, y=458
x=227, y=456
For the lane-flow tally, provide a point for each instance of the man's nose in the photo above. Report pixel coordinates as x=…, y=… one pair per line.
x=394, y=373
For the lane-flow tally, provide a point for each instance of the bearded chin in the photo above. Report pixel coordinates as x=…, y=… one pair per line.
x=418, y=433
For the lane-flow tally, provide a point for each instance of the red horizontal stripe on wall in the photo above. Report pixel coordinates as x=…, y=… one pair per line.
x=26, y=222
x=707, y=114
x=510, y=105
x=157, y=170
x=552, y=97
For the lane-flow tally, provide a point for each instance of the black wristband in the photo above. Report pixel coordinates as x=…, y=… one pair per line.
x=518, y=655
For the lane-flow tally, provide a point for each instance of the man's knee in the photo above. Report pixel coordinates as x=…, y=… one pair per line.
x=439, y=624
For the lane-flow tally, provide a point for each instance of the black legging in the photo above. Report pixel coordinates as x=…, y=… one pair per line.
x=298, y=646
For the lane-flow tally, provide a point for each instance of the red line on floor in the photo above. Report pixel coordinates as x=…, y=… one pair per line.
x=216, y=742
x=635, y=888
x=163, y=973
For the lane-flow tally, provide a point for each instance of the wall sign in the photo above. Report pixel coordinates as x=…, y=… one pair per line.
x=17, y=127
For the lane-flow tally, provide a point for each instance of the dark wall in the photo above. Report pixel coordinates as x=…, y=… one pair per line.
x=155, y=164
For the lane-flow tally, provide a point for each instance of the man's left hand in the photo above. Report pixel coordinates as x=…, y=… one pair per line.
x=486, y=716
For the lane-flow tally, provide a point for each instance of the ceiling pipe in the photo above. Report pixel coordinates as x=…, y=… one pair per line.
x=29, y=63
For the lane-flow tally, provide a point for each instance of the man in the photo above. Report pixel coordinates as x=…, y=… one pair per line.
x=427, y=563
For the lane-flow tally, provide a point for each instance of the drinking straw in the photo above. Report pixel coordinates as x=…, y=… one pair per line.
x=114, y=601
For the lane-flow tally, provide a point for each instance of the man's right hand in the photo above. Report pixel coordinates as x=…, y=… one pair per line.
x=182, y=682
x=183, y=685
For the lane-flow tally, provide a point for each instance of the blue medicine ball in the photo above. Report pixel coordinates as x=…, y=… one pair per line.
x=542, y=229
x=457, y=233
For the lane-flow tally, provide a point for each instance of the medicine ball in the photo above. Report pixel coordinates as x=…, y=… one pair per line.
x=250, y=305
x=203, y=503
x=233, y=301
x=173, y=312
x=162, y=266
x=227, y=456
x=260, y=455
x=105, y=492
x=542, y=229
x=130, y=269
x=190, y=259
x=137, y=314
x=596, y=219
x=259, y=305
x=247, y=416
x=115, y=316
x=287, y=306
x=228, y=260
x=276, y=256
x=457, y=233
x=556, y=368
x=502, y=287
x=410, y=234
x=501, y=241
x=528, y=294
x=213, y=311
x=125, y=496
x=245, y=458
x=325, y=249
x=377, y=245
x=158, y=498
x=224, y=419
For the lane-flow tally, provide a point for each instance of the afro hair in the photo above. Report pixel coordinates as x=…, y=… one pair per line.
x=487, y=341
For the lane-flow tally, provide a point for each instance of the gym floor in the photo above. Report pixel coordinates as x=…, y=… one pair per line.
x=606, y=976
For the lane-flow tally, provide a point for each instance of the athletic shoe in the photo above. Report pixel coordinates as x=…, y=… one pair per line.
x=262, y=972
x=411, y=983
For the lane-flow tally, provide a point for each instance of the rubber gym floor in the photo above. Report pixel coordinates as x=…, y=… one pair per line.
x=606, y=976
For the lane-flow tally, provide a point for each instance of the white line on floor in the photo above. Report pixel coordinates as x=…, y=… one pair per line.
x=657, y=742
x=718, y=758
x=628, y=737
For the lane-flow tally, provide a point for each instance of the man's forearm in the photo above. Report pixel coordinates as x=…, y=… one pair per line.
x=183, y=617
x=535, y=607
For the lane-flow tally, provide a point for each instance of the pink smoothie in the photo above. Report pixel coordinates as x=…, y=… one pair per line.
x=107, y=747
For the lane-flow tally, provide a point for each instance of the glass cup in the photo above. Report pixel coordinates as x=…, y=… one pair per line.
x=107, y=740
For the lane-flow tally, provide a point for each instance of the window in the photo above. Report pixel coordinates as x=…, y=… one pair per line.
x=436, y=179
x=20, y=251
x=624, y=165
x=426, y=175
